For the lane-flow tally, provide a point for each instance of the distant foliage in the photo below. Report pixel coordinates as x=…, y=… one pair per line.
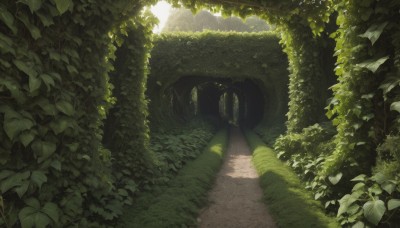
x=222, y=55
x=173, y=148
x=183, y=20
x=306, y=153
x=178, y=202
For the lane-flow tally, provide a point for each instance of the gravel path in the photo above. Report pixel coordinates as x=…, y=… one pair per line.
x=235, y=200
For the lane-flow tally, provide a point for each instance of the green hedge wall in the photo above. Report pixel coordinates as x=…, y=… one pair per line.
x=238, y=56
x=54, y=93
x=311, y=74
x=126, y=128
x=364, y=104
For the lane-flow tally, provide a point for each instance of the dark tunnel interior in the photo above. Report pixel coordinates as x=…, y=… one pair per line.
x=242, y=101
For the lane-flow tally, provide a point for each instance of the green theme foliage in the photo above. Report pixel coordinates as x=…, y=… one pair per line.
x=283, y=191
x=367, y=42
x=305, y=153
x=177, y=203
x=126, y=129
x=306, y=65
x=54, y=94
x=219, y=56
x=373, y=200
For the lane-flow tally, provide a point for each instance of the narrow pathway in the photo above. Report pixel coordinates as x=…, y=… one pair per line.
x=235, y=200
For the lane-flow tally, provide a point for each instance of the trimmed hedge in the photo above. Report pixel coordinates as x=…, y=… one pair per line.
x=218, y=56
x=177, y=204
x=289, y=203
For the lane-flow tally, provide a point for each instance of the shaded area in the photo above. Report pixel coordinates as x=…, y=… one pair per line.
x=217, y=63
x=252, y=100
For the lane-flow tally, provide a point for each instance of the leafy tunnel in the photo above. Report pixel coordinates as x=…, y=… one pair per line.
x=253, y=106
x=80, y=99
x=255, y=73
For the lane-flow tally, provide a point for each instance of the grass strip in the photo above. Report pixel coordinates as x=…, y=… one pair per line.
x=289, y=203
x=178, y=203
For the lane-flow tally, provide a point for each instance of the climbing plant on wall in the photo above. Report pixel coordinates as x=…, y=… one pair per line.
x=53, y=92
x=127, y=119
x=363, y=111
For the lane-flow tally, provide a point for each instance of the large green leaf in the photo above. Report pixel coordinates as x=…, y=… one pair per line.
x=48, y=80
x=31, y=217
x=38, y=177
x=389, y=84
x=63, y=5
x=51, y=210
x=8, y=19
x=15, y=180
x=56, y=165
x=34, y=84
x=393, y=204
x=359, y=224
x=360, y=177
x=374, y=210
x=48, y=108
x=21, y=190
x=65, y=107
x=43, y=149
x=26, y=217
x=59, y=125
x=34, y=5
x=26, y=68
x=335, y=179
x=395, y=106
x=373, y=64
x=358, y=186
x=33, y=202
x=14, y=124
x=46, y=19
x=15, y=90
x=388, y=186
x=345, y=202
x=26, y=138
x=374, y=32
x=35, y=31
x=5, y=173
x=379, y=177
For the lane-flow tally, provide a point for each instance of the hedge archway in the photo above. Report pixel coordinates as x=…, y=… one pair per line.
x=55, y=93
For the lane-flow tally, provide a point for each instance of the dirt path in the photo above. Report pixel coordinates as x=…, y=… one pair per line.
x=235, y=200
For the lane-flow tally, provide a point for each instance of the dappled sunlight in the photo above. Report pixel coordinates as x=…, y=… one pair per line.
x=217, y=147
x=236, y=170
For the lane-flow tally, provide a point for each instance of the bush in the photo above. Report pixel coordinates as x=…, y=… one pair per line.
x=177, y=203
x=306, y=153
x=375, y=200
x=283, y=191
x=173, y=148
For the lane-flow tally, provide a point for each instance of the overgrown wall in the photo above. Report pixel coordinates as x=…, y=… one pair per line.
x=54, y=94
x=235, y=56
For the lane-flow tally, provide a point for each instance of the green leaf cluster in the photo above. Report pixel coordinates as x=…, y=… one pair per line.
x=175, y=147
x=374, y=201
x=178, y=202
